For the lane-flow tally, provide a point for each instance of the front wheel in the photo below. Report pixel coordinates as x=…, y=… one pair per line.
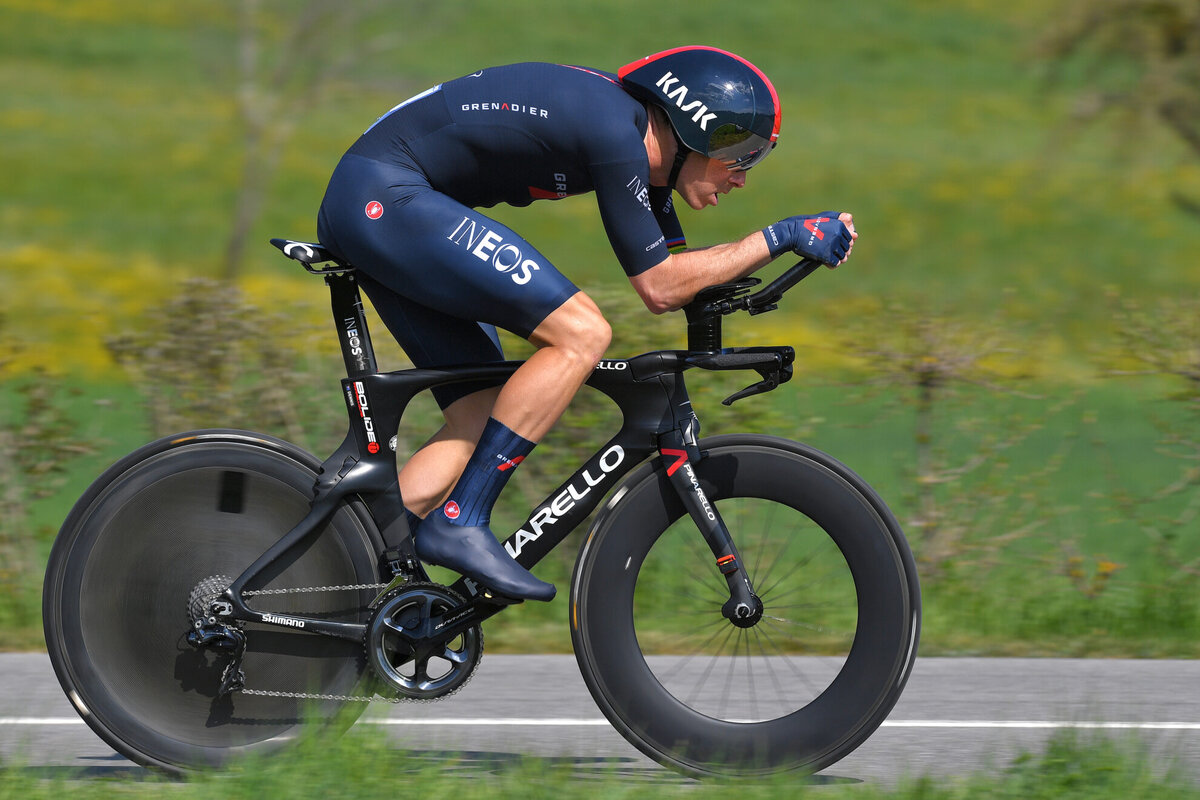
x=806, y=684
x=148, y=544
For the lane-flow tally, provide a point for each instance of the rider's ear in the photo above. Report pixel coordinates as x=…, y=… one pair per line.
x=660, y=126
x=658, y=117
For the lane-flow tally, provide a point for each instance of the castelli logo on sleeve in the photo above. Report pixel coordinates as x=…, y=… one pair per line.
x=374, y=209
x=452, y=510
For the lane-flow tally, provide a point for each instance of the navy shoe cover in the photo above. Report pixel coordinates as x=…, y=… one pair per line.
x=475, y=553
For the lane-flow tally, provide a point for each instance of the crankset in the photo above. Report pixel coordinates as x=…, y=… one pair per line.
x=408, y=651
x=420, y=642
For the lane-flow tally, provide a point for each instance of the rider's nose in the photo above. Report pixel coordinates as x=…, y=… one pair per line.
x=738, y=179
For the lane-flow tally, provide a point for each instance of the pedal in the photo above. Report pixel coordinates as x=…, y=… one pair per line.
x=498, y=599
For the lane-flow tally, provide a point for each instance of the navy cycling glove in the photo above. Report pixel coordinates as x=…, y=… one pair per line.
x=822, y=237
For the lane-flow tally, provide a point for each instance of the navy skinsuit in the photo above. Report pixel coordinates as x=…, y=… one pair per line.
x=401, y=204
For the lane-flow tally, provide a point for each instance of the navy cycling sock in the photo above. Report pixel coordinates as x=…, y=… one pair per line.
x=496, y=456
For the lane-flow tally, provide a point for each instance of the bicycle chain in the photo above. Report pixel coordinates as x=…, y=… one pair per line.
x=353, y=698
x=351, y=588
x=345, y=698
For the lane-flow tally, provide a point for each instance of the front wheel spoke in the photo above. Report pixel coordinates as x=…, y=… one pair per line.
x=691, y=539
x=714, y=612
x=708, y=670
x=710, y=598
x=798, y=582
x=774, y=605
x=808, y=626
x=803, y=590
x=737, y=646
x=786, y=543
x=686, y=659
x=746, y=639
x=791, y=664
x=780, y=694
x=761, y=549
x=806, y=583
x=764, y=574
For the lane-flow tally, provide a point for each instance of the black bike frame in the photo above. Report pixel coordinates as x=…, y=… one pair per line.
x=658, y=420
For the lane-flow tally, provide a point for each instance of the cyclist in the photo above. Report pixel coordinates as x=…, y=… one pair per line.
x=402, y=206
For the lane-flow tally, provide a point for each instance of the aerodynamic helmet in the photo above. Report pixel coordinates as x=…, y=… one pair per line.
x=719, y=104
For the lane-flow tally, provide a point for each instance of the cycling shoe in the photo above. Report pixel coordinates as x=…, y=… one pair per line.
x=475, y=553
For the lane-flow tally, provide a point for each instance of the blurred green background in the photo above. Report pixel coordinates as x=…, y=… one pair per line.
x=1012, y=357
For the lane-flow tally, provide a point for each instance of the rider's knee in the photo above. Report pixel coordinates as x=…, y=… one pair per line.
x=591, y=340
x=598, y=338
x=578, y=328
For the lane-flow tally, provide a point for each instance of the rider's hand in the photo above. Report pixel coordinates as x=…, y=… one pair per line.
x=827, y=237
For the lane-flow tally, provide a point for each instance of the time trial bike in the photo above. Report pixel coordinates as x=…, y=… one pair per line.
x=741, y=604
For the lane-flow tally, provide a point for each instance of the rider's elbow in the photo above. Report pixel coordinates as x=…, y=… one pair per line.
x=656, y=295
x=658, y=305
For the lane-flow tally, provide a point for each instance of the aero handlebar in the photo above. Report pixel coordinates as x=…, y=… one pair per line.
x=768, y=299
x=705, y=311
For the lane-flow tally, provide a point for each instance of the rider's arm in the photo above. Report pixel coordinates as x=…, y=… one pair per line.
x=675, y=281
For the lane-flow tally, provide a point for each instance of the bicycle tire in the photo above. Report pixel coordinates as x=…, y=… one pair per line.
x=115, y=603
x=833, y=656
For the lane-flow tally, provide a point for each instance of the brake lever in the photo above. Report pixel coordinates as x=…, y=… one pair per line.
x=772, y=378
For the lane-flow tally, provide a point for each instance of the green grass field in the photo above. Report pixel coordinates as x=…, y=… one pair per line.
x=976, y=199
x=359, y=766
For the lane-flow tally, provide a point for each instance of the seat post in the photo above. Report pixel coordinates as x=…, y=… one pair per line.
x=351, y=321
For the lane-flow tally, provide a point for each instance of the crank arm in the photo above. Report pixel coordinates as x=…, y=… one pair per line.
x=446, y=627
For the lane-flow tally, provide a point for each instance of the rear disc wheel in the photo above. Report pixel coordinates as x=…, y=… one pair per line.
x=121, y=591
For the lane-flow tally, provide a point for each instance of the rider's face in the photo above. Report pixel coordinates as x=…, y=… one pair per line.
x=702, y=180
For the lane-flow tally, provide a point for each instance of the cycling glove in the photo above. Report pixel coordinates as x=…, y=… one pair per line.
x=820, y=236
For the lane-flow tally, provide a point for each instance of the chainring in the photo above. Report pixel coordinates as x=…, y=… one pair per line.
x=404, y=663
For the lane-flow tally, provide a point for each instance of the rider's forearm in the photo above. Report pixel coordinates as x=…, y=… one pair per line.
x=674, y=282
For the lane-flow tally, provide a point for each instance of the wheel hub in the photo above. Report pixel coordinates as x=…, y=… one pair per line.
x=744, y=615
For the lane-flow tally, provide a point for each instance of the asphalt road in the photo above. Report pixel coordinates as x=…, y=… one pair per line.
x=958, y=716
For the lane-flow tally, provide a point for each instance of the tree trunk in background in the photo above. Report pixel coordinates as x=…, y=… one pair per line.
x=278, y=84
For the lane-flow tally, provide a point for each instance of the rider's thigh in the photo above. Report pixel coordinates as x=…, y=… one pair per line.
x=437, y=252
x=441, y=275
x=432, y=338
